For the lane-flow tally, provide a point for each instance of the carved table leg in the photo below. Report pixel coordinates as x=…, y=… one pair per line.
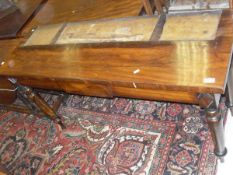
x=215, y=122
x=35, y=103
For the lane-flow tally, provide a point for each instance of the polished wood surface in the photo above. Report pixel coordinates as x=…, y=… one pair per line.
x=185, y=71
x=6, y=96
x=12, y=23
x=177, y=70
x=179, y=66
x=58, y=11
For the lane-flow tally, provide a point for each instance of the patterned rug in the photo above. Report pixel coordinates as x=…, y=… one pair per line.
x=109, y=137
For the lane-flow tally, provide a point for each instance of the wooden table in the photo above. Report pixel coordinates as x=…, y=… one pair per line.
x=194, y=72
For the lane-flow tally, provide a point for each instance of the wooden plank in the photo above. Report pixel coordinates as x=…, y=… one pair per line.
x=179, y=26
x=102, y=89
x=159, y=95
x=191, y=26
x=128, y=29
x=99, y=31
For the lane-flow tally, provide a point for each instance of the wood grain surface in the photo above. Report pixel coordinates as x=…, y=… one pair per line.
x=185, y=26
x=7, y=46
x=96, y=31
x=44, y=35
x=191, y=26
x=60, y=11
x=173, y=71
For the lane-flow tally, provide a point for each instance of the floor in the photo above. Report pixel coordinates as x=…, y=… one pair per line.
x=226, y=167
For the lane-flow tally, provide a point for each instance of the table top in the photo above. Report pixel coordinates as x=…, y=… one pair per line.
x=190, y=66
x=57, y=11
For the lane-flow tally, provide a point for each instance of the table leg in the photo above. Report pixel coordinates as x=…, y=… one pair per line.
x=35, y=102
x=215, y=121
x=229, y=90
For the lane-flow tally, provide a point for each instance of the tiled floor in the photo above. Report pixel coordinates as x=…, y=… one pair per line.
x=227, y=167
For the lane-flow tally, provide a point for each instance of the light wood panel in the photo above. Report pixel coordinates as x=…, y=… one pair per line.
x=191, y=26
x=59, y=11
x=184, y=26
x=97, y=31
x=176, y=5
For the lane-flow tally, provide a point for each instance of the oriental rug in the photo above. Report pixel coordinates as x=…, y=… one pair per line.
x=109, y=137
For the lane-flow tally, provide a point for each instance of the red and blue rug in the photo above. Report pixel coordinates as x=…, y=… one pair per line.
x=109, y=137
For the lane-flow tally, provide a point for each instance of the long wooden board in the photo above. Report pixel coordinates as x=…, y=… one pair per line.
x=131, y=29
x=116, y=30
x=179, y=26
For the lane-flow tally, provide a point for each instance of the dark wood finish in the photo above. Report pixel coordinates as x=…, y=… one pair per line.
x=35, y=102
x=35, y=99
x=171, y=71
x=55, y=11
x=7, y=93
x=104, y=89
x=52, y=12
x=167, y=66
x=6, y=96
x=17, y=108
x=58, y=102
x=215, y=121
x=12, y=23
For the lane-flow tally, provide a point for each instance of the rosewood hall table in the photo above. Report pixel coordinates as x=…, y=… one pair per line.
x=194, y=72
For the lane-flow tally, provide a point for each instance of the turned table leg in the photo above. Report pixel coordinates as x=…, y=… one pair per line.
x=35, y=102
x=215, y=121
